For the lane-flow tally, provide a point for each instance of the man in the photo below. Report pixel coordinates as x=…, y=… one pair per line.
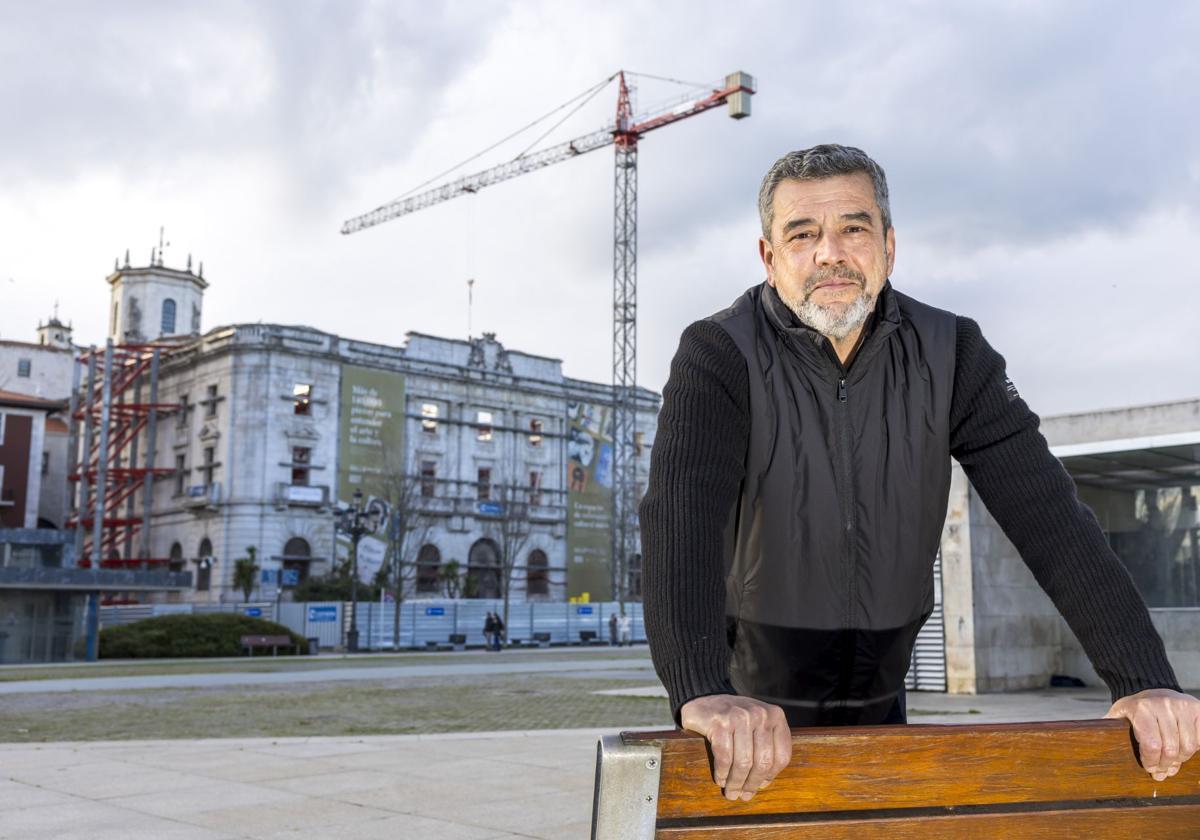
x=798, y=488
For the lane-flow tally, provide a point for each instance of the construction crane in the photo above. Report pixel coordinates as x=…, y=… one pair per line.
x=623, y=134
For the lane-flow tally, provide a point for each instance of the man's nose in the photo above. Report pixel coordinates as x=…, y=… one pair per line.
x=828, y=251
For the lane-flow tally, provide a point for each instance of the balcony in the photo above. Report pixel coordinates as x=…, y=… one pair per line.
x=301, y=495
x=203, y=496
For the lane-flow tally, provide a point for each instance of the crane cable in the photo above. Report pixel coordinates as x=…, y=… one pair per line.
x=589, y=93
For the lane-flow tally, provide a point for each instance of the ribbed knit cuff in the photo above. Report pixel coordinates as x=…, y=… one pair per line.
x=687, y=679
x=1155, y=674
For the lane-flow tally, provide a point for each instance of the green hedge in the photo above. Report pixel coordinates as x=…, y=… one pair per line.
x=169, y=636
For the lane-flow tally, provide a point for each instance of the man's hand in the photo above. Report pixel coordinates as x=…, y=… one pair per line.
x=1166, y=725
x=751, y=741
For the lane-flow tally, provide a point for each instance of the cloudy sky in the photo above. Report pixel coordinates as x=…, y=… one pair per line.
x=1044, y=160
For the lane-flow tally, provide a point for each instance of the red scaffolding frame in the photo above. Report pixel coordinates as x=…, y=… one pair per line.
x=119, y=430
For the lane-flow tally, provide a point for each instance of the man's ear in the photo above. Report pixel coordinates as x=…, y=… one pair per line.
x=889, y=250
x=767, y=255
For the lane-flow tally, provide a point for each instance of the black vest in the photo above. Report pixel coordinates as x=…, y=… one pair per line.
x=830, y=547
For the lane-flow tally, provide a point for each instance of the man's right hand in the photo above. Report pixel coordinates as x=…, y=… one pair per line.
x=751, y=741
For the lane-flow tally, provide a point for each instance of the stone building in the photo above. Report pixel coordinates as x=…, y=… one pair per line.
x=277, y=425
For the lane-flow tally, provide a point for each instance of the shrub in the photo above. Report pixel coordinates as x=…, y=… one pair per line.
x=333, y=588
x=168, y=636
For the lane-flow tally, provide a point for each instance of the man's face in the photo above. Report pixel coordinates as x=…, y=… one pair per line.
x=828, y=255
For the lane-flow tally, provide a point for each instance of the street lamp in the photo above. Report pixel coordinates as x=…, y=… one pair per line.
x=353, y=523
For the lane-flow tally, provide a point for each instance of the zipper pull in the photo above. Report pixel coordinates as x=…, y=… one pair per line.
x=842, y=389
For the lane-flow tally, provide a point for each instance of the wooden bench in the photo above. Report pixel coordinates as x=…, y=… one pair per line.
x=253, y=643
x=1076, y=779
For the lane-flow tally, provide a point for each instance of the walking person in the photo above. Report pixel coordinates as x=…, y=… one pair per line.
x=489, y=631
x=612, y=630
x=499, y=634
x=625, y=626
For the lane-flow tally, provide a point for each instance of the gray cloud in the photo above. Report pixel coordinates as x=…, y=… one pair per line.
x=1027, y=138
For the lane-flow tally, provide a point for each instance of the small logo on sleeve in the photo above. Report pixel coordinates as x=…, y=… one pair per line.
x=1011, y=389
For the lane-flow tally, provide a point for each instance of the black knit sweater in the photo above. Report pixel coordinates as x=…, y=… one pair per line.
x=697, y=467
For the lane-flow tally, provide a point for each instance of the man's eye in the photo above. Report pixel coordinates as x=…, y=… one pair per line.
x=855, y=229
x=803, y=235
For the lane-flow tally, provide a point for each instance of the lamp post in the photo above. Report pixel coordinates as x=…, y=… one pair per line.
x=353, y=523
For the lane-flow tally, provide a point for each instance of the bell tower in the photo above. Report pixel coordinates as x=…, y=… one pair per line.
x=153, y=302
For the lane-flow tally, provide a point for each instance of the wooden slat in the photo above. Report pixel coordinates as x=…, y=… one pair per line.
x=1095, y=824
x=884, y=767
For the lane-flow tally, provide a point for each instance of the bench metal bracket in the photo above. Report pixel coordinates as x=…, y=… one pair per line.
x=626, y=798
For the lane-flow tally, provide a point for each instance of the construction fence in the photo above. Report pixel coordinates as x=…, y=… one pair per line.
x=421, y=624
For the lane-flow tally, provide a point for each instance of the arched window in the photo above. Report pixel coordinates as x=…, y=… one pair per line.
x=204, y=566
x=537, y=575
x=176, y=557
x=429, y=567
x=483, y=570
x=168, y=317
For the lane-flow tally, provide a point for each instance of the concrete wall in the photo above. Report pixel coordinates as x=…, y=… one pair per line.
x=1180, y=631
x=1016, y=624
x=1122, y=423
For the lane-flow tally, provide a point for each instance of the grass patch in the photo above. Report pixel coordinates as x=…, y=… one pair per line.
x=385, y=707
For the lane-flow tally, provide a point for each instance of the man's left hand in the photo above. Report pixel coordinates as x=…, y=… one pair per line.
x=1166, y=725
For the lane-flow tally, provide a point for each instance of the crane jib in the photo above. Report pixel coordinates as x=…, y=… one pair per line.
x=623, y=134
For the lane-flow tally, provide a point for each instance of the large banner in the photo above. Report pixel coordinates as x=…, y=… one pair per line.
x=589, y=500
x=370, y=448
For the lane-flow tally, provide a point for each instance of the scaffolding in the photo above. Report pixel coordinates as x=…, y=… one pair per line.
x=113, y=467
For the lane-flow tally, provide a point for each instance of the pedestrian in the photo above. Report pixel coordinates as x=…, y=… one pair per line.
x=626, y=628
x=799, y=485
x=489, y=631
x=499, y=634
x=612, y=629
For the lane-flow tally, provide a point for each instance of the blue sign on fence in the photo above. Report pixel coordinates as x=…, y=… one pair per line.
x=254, y=612
x=435, y=611
x=583, y=610
x=322, y=613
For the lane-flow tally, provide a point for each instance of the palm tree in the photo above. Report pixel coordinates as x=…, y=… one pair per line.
x=245, y=572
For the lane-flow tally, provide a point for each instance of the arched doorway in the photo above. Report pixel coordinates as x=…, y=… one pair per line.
x=429, y=568
x=483, y=570
x=204, y=564
x=176, y=557
x=537, y=574
x=297, y=556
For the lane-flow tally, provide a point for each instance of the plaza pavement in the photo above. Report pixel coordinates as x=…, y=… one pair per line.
x=531, y=784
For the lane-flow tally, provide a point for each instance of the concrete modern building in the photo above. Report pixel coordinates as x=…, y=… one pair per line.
x=1139, y=470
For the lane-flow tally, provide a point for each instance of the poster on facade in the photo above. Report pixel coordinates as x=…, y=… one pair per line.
x=370, y=455
x=589, y=500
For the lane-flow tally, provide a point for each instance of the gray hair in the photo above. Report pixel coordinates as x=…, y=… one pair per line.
x=823, y=161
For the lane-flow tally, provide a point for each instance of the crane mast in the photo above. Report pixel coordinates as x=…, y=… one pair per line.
x=623, y=134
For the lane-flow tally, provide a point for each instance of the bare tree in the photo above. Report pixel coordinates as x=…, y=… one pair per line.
x=408, y=525
x=512, y=528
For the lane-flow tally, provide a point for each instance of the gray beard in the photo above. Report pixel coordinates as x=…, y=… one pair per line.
x=837, y=321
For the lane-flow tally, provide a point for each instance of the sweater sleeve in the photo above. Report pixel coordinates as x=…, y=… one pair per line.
x=994, y=435
x=696, y=468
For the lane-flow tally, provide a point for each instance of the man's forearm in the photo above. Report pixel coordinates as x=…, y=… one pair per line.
x=696, y=469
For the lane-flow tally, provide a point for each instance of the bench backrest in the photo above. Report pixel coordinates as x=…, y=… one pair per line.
x=263, y=641
x=1066, y=779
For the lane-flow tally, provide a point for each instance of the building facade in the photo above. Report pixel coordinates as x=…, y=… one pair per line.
x=455, y=444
